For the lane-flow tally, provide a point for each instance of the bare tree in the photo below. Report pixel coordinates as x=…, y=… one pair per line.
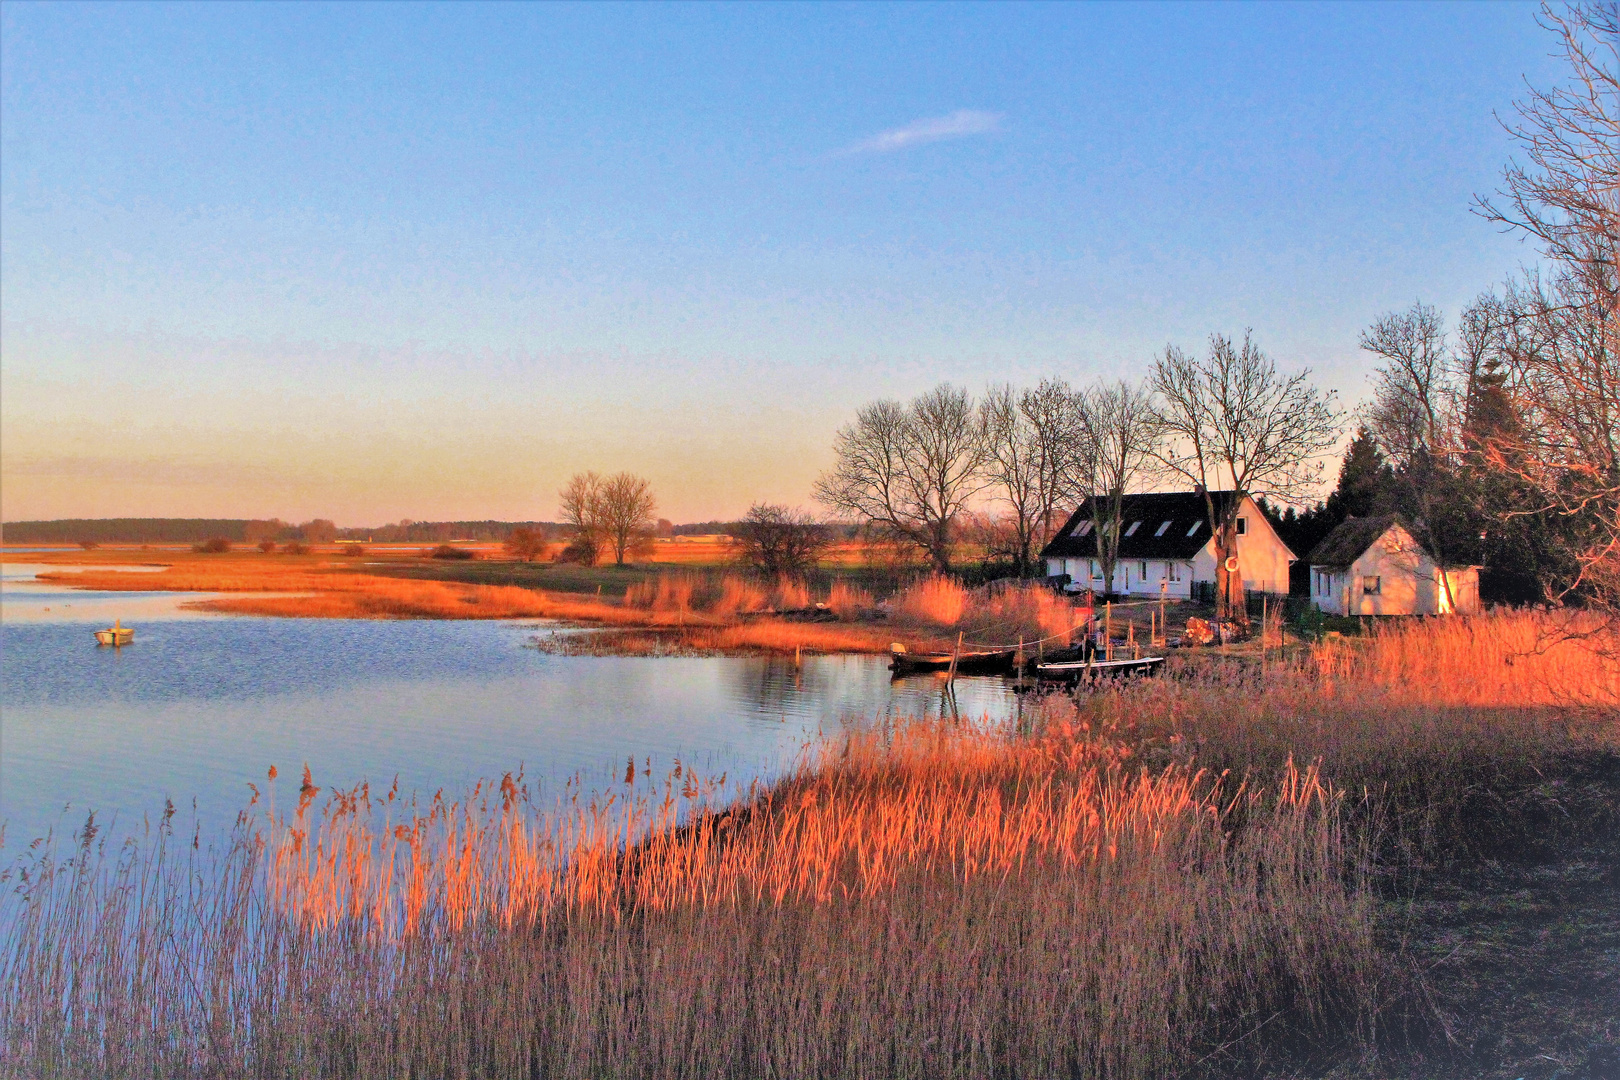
x=1418, y=417
x=782, y=541
x=1415, y=395
x=627, y=512
x=1561, y=335
x=1120, y=432
x=910, y=469
x=580, y=505
x=1031, y=439
x=1232, y=420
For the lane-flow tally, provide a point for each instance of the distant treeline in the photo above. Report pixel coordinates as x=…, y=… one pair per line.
x=319, y=531
x=247, y=530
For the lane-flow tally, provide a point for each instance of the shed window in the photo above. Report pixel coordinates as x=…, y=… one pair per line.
x=1194, y=528
x=1371, y=585
x=1162, y=529
x=1243, y=526
x=1132, y=530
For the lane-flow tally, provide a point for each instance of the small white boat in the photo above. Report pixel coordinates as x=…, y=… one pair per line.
x=115, y=635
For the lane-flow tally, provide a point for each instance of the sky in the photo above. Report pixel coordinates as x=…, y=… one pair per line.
x=374, y=261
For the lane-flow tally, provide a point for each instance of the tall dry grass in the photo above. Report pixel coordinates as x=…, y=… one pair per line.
x=1506, y=657
x=1001, y=613
x=918, y=900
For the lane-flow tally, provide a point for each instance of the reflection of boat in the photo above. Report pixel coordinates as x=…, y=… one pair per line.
x=1097, y=669
x=968, y=663
x=117, y=634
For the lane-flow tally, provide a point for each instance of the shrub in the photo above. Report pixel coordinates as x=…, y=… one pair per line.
x=525, y=544
x=450, y=551
x=214, y=545
x=582, y=549
x=354, y=551
x=267, y=545
x=89, y=545
x=293, y=547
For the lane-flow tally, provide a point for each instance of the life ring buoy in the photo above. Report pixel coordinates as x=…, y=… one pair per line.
x=1231, y=564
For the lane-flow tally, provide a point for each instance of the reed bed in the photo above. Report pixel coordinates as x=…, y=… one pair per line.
x=916, y=900
x=1505, y=657
x=1001, y=613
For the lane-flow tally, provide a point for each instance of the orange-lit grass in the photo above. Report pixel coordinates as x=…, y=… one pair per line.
x=1000, y=614
x=918, y=901
x=1502, y=658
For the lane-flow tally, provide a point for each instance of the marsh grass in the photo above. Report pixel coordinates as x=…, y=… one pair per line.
x=917, y=900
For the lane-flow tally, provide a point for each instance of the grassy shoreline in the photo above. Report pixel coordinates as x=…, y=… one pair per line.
x=1216, y=874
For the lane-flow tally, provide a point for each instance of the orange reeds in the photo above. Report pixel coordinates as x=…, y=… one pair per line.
x=1001, y=613
x=1503, y=658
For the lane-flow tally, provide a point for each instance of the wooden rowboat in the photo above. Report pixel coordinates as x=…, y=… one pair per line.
x=115, y=635
x=968, y=663
x=1099, y=669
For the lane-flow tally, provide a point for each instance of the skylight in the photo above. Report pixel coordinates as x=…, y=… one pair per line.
x=1085, y=527
x=1132, y=530
x=1162, y=529
x=1194, y=528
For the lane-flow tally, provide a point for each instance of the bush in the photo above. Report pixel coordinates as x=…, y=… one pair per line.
x=293, y=547
x=354, y=551
x=214, y=545
x=581, y=549
x=267, y=546
x=450, y=551
x=89, y=545
x=525, y=543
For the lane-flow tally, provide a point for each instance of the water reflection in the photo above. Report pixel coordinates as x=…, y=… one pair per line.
x=200, y=707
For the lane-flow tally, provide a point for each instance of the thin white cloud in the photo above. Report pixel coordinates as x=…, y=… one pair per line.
x=958, y=125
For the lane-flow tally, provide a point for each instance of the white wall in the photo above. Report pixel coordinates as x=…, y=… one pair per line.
x=1407, y=582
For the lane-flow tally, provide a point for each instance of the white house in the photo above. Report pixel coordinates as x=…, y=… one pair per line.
x=1374, y=566
x=1165, y=543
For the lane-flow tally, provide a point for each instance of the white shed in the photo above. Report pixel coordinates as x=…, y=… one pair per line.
x=1375, y=566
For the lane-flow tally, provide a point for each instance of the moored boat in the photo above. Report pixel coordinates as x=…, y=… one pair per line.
x=1097, y=669
x=117, y=634
x=999, y=662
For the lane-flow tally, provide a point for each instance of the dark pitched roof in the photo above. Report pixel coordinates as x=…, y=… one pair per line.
x=1148, y=512
x=1350, y=540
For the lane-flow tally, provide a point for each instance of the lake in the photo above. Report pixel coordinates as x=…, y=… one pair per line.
x=201, y=705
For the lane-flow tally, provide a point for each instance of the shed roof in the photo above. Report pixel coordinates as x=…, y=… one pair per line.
x=1152, y=538
x=1351, y=539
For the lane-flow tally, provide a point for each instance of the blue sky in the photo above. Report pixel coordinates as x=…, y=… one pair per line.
x=373, y=261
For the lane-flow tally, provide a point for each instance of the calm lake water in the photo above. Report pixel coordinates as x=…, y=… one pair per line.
x=200, y=705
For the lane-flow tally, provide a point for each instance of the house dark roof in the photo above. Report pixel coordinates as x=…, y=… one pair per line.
x=1347, y=543
x=1148, y=512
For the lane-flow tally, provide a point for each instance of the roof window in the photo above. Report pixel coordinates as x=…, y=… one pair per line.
x=1192, y=531
x=1162, y=529
x=1132, y=530
x=1085, y=527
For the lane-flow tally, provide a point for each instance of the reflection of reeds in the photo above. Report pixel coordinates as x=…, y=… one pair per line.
x=923, y=900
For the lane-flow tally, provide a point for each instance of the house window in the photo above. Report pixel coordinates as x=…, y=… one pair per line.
x=1194, y=528
x=1132, y=530
x=1243, y=526
x=1142, y=566
x=1175, y=571
x=1371, y=585
x=1162, y=529
x=1096, y=571
x=1085, y=527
